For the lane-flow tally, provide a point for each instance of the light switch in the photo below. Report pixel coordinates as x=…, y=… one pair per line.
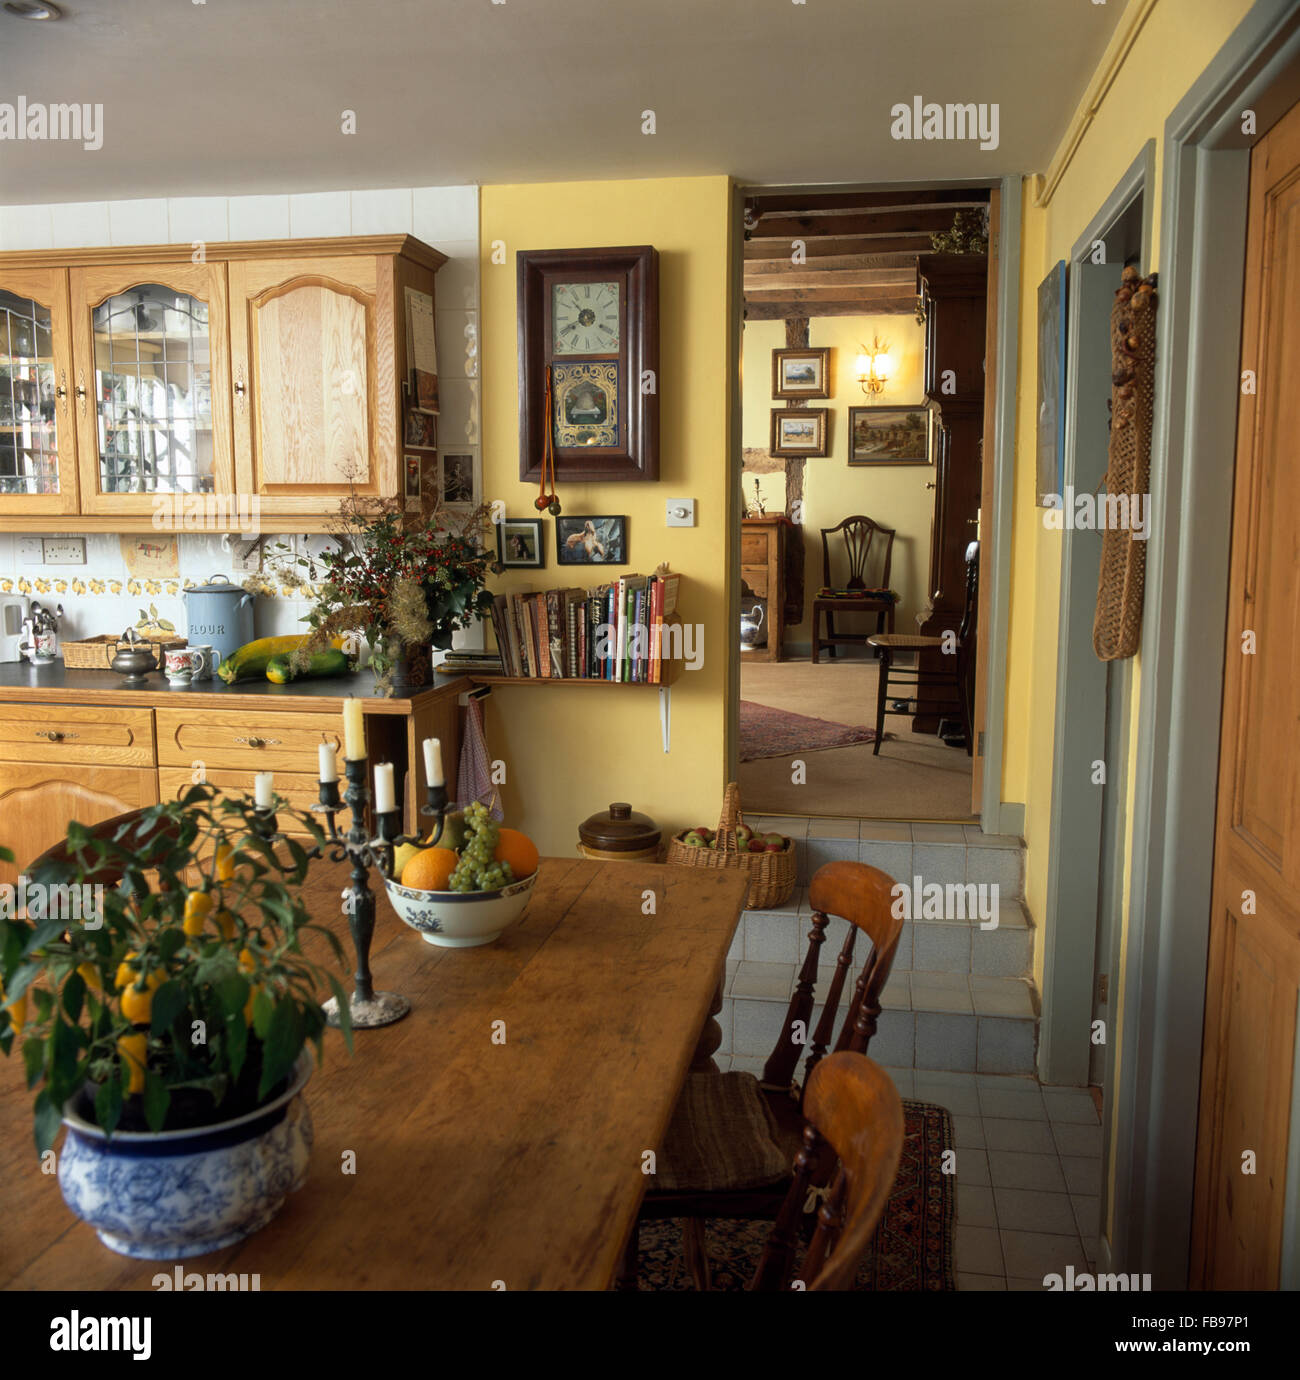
x=31, y=550
x=681, y=512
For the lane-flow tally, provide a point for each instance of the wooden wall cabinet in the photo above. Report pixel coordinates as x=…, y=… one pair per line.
x=273, y=370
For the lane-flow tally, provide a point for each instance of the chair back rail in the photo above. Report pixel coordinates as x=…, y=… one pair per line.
x=854, y=1114
x=858, y=533
x=863, y=896
x=119, y=827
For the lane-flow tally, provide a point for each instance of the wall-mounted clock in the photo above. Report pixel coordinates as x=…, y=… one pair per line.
x=590, y=317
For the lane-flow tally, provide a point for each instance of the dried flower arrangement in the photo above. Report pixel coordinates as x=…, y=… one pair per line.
x=397, y=586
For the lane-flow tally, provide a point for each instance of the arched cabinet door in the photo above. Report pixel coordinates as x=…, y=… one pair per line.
x=151, y=395
x=38, y=444
x=314, y=381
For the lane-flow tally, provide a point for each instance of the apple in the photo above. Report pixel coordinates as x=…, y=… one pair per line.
x=757, y=846
x=705, y=834
x=776, y=842
x=693, y=840
x=744, y=833
x=712, y=843
x=774, y=848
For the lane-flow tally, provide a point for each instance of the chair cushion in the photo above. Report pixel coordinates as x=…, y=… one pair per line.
x=722, y=1136
x=873, y=594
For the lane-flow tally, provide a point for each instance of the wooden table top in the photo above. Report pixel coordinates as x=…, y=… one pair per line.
x=475, y=1162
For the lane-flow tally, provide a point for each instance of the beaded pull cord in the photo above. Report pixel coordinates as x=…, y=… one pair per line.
x=548, y=502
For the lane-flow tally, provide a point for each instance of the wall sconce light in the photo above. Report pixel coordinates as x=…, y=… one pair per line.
x=874, y=366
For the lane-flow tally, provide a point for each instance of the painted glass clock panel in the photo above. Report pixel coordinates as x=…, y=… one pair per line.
x=587, y=403
x=585, y=318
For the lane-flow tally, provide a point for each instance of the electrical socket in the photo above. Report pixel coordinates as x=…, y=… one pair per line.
x=64, y=550
x=31, y=551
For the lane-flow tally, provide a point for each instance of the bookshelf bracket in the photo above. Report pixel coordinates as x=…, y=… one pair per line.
x=666, y=715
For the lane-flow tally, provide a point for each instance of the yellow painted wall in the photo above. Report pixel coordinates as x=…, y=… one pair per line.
x=570, y=751
x=1175, y=45
x=894, y=494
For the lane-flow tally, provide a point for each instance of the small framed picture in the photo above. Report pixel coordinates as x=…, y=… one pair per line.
x=412, y=487
x=520, y=543
x=799, y=431
x=801, y=373
x=591, y=540
x=459, y=481
x=421, y=430
x=889, y=436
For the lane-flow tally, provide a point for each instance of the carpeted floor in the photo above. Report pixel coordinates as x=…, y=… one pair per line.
x=912, y=1249
x=915, y=775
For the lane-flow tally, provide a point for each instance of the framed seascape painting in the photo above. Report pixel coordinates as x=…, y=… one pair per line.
x=801, y=373
x=799, y=431
x=1051, y=384
x=591, y=540
x=889, y=436
x=520, y=544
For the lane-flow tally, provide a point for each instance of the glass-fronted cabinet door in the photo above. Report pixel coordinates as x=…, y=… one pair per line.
x=38, y=456
x=152, y=386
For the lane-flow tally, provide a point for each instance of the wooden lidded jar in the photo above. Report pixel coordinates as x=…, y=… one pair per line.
x=619, y=834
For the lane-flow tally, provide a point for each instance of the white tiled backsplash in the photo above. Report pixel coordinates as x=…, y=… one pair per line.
x=99, y=597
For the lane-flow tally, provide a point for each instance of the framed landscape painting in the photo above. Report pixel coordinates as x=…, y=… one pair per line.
x=801, y=373
x=889, y=436
x=799, y=431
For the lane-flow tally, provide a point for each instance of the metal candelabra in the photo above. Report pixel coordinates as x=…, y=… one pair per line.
x=368, y=1007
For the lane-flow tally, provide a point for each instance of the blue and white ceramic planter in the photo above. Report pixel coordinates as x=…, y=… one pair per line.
x=182, y=1193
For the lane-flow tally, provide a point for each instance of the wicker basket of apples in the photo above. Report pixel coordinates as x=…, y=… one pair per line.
x=767, y=859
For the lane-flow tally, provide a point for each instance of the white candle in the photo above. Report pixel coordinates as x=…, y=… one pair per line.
x=433, y=762
x=262, y=790
x=385, y=800
x=354, y=730
x=328, y=770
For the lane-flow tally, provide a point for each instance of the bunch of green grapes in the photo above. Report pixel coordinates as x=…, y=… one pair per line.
x=478, y=869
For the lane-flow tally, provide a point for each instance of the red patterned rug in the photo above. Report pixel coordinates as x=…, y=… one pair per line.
x=911, y=1250
x=768, y=732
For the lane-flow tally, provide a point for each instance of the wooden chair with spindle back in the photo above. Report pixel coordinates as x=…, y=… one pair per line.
x=854, y=1112
x=121, y=828
x=858, y=534
x=733, y=1137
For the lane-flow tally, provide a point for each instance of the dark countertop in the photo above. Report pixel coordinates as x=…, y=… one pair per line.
x=19, y=680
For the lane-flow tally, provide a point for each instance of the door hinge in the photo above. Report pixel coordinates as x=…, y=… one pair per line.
x=979, y=743
x=1103, y=989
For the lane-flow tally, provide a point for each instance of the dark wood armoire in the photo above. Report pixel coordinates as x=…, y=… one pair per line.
x=953, y=291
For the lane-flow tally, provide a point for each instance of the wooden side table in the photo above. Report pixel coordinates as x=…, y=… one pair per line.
x=762, y=568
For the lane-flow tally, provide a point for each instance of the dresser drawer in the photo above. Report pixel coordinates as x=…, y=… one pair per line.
x=92, y=735
x=301, y=789
x=247, y=742
x=754, y=548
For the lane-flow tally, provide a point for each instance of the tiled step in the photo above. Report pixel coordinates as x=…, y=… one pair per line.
x=936, y=852
x=945, y=946
x=929, y=1020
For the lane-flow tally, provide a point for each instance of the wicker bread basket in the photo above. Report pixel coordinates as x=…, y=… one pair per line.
x=771, y=875
x=96, y=653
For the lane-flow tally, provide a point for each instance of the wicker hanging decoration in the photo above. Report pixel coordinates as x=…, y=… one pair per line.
x=1117, y=626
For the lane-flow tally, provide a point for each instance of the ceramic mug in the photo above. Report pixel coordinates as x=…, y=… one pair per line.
x=178, y=663
x=201, y=662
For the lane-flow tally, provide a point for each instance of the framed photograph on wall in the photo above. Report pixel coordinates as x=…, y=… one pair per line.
x=801, y=373
x=412, y=486
x=520, y=543
x=459, y=481
x=799, y=431
x=421, y=430
x=1051, y=385
x=889, y=436
x=591, y=540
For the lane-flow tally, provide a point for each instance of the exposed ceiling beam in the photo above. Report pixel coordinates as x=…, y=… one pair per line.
x=833, y=281
x=773, y=308
x=759, y=268
x=918, y=243
x=792, y=227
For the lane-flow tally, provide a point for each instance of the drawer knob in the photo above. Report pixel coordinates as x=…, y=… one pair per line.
x=53, y=734
x=258, y=742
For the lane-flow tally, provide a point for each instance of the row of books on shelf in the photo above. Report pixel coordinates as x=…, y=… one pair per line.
x=609, y=632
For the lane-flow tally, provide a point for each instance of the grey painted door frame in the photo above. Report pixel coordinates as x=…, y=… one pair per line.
x=1075, y=837
x=1203, y=230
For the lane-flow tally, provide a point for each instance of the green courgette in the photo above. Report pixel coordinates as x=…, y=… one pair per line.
x=330, y=662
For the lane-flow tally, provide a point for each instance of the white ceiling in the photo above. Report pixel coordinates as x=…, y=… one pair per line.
x=244, y=96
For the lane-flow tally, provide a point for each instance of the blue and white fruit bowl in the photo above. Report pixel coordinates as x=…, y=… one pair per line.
x=174, y=1194
x=460, y=919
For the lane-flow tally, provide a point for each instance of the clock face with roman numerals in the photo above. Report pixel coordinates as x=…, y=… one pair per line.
x=585, y=318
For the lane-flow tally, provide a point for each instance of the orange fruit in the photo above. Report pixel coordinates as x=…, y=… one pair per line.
x=430, y=869
x=519, y=851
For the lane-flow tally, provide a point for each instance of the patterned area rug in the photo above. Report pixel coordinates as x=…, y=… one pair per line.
x=768, y=732
x=911, y=1250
